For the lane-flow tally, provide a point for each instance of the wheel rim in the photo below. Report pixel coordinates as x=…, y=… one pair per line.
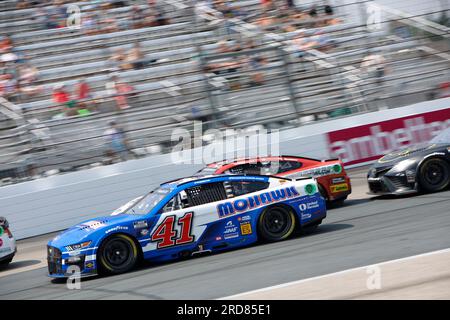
x=117, y=253
x=276, y=222
x=434, y=175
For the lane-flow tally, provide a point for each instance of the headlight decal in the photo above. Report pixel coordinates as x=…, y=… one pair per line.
x=78, y=246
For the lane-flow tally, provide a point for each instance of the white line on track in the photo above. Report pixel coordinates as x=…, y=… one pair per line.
x=287, y=284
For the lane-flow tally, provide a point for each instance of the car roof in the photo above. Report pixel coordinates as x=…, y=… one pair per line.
x=219, y=177
x=225, y=162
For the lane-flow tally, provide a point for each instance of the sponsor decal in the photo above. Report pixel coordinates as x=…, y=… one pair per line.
x=93, y=225
x=321, y=171
x=337, y=180
x=246, y=228
x=230, y=228
x=144, y=232
x=244, y=204
x=244, y=218
x=337, y=168
x=89, y=265
x=1, y=231
x=231, y=235
x=308, y=205
x=310, y=189
x=370, y=142
x=218, y=238
x=117, y=228
x=140, y=224
x=339, y=187
x=74, y=253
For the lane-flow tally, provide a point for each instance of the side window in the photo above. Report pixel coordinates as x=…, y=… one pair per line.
x=285, y=166
x=239, y=188
x=246, y=168
x=171, y=205
x=205, y=193
x=179, y=201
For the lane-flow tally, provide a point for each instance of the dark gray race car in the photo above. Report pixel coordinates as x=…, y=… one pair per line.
x=424, y=168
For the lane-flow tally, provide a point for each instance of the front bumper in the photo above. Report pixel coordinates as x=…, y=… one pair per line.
x=395, y=185
x=59, y=265
x=9, y=256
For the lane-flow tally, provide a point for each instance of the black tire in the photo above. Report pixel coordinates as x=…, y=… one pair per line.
x=5, y=263
x=276, y=223
x=117, y=254
x=338, y=202
x=322, y=192
x=434, y=175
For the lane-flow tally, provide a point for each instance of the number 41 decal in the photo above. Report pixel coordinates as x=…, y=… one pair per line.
x=166, y=235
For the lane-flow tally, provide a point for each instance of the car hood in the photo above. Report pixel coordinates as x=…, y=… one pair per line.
x=94, y=229
x=418, y=150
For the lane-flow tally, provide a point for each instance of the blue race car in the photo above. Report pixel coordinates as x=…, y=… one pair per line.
x=185, y=217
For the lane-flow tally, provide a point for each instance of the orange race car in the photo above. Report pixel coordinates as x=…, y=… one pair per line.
x=334, y=184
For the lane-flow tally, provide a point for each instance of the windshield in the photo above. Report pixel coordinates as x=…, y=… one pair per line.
x=124, y=207
x=443, y=137
x=148, y=202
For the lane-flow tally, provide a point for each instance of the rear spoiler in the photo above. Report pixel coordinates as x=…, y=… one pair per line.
x=304, y=178
x=313, y=159
x=331, y=159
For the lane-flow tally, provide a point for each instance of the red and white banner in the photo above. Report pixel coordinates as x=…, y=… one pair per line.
x=371, y=141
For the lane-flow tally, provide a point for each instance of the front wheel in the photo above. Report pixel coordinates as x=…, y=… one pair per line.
x=117, y=254
x=276, y=223
x=434, y=175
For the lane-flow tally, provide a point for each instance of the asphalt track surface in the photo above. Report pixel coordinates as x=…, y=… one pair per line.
x=364, y=231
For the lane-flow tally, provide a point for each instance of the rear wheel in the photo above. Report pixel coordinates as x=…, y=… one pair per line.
x=117, y=254
x=276, y=223
x=322, y=192
x=434, y=175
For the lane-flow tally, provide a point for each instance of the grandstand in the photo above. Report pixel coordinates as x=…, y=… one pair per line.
x=233, y=66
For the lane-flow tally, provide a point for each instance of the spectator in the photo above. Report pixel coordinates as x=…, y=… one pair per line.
x=27, y=73
x=290, y=4
x=374, y=65
x=302, y=44
x=6, y=44
x=107, y=22
x=137, y=17
x=8, y=87
x=267, y=5
x=90, y=24
x=328, y=10
x=120, y=91
x=255, y=62
x=117, y=144
x=84, y=95
x=135, y=57
x=40, y=16
x=119, y=60
x=158, y=11
x=313, y=12
x=62, y=97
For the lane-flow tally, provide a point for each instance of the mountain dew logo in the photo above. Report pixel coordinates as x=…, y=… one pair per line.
x=310, y=189
x=337, y=168
x=1, y=231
